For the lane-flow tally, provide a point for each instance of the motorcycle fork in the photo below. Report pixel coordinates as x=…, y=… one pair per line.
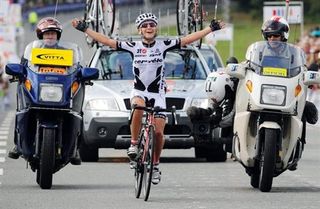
x=59, y=147
x=37, y=138
x=259, y=139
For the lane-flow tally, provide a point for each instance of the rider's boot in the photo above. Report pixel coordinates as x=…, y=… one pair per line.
x=76, y=159
x=14, y=153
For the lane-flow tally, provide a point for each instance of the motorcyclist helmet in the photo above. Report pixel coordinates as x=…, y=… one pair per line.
x=146, y=17
x=48, y=24
x=275, y=25
x=232, y=60
x=216, y=84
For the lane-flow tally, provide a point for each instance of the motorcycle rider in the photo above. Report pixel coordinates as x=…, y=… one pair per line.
x=49, y=30
x=277, y=29
x=273, y=30
x=148, y=57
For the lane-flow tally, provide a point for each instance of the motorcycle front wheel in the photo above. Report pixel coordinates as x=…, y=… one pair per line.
x=47, y=159
x=268, y=161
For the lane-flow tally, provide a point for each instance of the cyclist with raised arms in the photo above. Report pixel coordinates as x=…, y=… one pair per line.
x=148, y=70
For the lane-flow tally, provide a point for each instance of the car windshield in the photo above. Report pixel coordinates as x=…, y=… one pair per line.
x=179, y=64
x=276, y=58
x=213, y=60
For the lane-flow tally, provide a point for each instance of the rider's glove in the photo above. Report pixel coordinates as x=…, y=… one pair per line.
x=197, y=113
x=216, y=117
x=82, y=26
x=215, y=25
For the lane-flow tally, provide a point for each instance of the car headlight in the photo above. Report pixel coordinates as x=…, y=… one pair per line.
x=200, y=102
x=273, y=95
x=102, y=104
x=51, y=92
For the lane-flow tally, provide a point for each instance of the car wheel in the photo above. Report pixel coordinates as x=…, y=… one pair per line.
x=89, y=154
x=212, y=153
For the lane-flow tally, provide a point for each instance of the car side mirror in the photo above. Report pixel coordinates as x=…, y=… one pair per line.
x=89, y=73
x=16, y=70
x=311, y=77
x=236, y=70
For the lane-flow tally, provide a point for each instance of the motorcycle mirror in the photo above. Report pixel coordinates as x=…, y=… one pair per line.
x=16, y=70
x=89, y=73
x=311, y=77
x=236, y=70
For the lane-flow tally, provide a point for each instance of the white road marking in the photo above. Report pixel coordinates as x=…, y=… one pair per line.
x=3, y=143
x=2, y=159
x=3, y=151
x=4, y=132
x=3, y=137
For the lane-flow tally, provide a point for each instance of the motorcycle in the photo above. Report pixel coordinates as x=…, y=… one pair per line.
x=50, y=93
x=270, y=99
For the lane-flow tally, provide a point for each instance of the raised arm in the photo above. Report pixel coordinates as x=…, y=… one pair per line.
x=83, y=26
x=215, y=25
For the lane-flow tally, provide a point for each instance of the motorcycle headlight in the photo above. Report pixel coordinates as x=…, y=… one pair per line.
x=200, y=102
x=51, y=92
x=102, y=104
x=273, y=95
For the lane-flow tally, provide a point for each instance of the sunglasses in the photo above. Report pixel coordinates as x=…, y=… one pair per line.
x=273, y=35
x=151, y=24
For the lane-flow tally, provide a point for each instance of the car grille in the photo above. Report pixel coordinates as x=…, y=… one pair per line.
x=178, y=102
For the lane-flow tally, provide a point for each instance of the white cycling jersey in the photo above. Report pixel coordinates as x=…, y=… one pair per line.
x=148, y=63
x=148, y=68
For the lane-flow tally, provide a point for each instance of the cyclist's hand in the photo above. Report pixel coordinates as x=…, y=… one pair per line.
x=216, y=25
x=80, y=25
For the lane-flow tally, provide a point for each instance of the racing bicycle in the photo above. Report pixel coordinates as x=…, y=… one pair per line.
x=189, y=16
x=100, y=15
x=146, y=145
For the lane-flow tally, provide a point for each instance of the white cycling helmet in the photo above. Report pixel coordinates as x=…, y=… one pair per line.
x=146, y=17
x=215, y=85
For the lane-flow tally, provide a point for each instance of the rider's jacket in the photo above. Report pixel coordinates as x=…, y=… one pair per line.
x=148, y=63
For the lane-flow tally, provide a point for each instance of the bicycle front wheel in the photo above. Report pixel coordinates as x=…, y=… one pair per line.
x=139, y=169
x=148, y=161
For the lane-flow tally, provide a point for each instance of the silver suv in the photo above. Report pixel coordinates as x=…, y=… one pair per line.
x=107, y=103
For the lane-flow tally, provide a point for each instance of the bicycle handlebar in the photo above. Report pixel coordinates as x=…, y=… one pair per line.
x=158, y=109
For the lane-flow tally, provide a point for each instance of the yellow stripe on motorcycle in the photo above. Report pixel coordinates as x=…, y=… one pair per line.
x=59, y=57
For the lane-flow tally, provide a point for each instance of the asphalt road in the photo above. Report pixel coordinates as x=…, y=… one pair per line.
x=186, y=182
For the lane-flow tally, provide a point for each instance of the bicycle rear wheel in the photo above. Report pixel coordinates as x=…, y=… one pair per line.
x=148, y=161
x=189, y=16
x=110, y=15
x=139, y=169
x=91, y=13
x=181, y=17
x=195, y=18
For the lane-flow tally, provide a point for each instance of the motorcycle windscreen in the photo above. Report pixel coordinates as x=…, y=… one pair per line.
x=276, y=58
x=60, y=53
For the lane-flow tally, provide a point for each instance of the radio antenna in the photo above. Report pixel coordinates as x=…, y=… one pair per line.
x=287, y=10
x=215, y=10
x=55, y=10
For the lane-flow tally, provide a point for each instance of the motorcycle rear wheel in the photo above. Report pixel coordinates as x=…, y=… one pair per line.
x=47, y=159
